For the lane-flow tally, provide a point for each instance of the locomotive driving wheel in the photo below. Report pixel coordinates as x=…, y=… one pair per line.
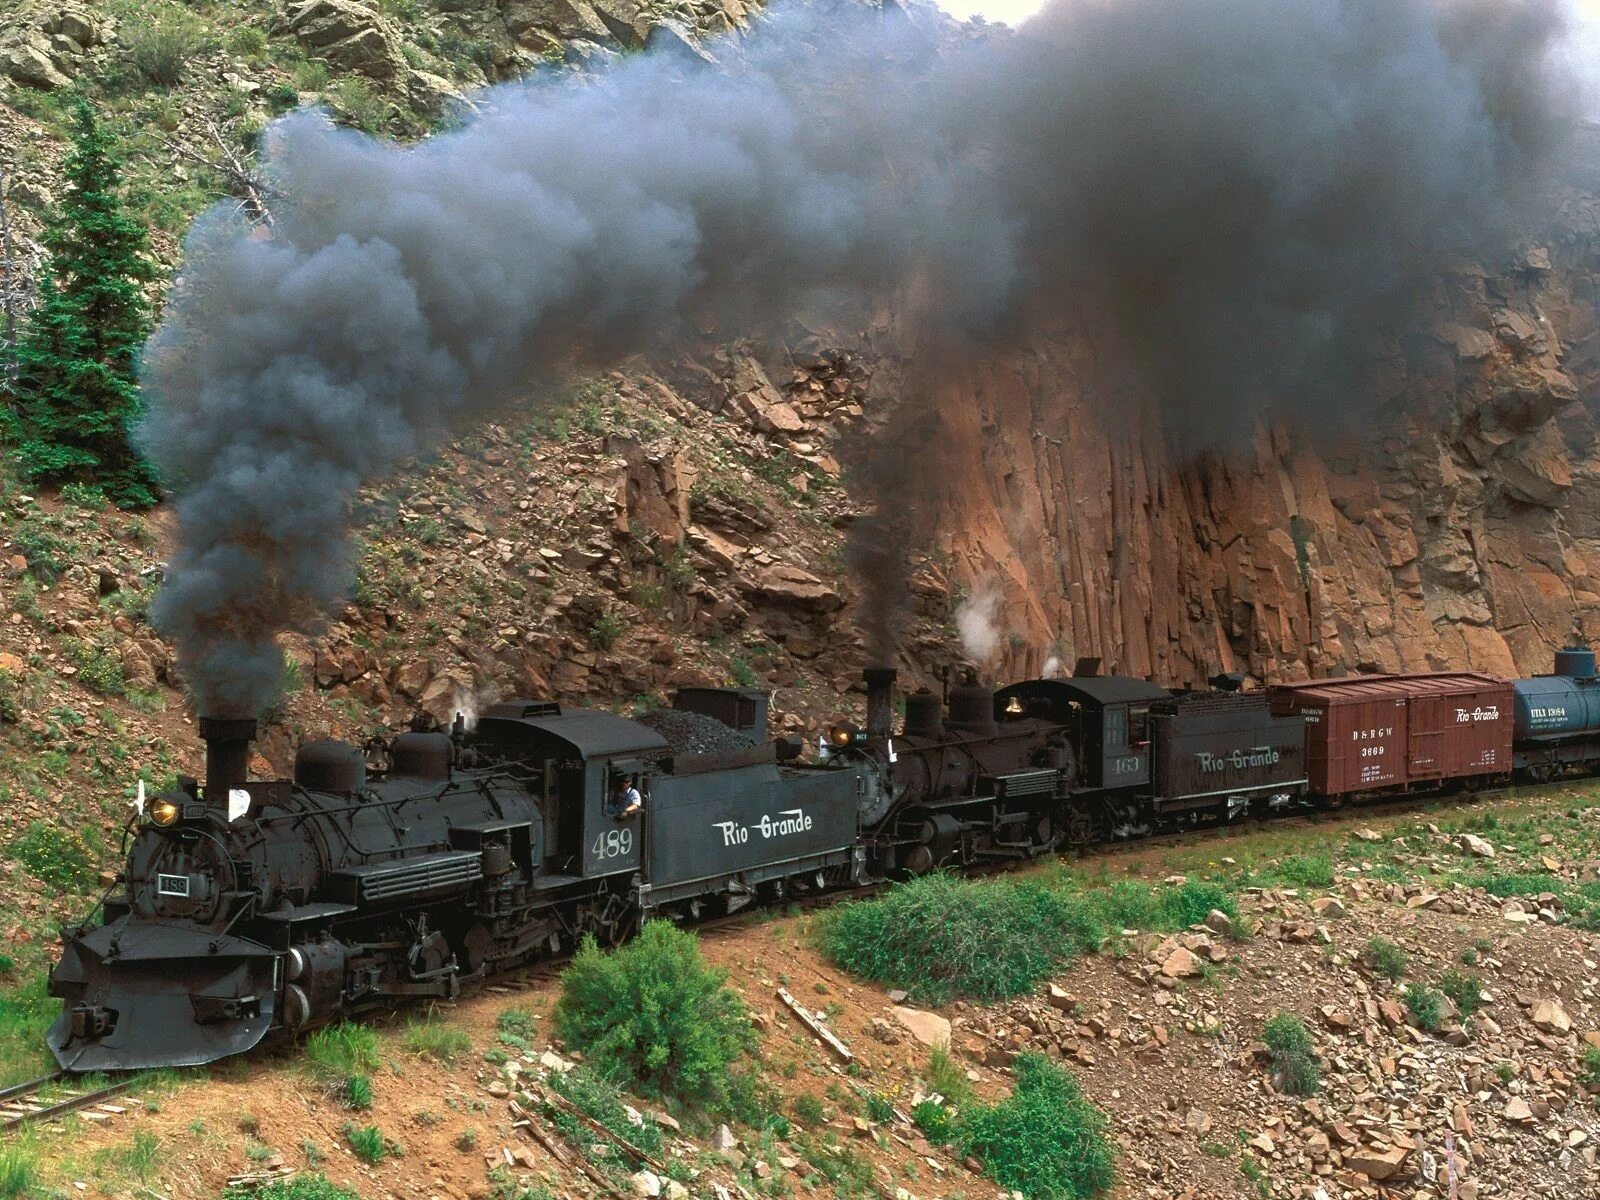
x=1079, y=827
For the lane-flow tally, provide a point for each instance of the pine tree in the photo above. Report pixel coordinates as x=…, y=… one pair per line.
x=75, y=395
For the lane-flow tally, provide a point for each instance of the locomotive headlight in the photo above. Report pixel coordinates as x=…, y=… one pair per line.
x=163, y=812
x=842, y=735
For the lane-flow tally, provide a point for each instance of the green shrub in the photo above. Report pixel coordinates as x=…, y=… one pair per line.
x=300, y=1187
x=1465, y=989
x=1385, y=959
x=337, y=1052
x=1425, y=1004
x=934, y=1120
x=7, y=964
x=605, y=631
x=1045, y=1140
x=516, y=1021
x=653, y=1016
x=362, y=105
x=1294, y=1062
x=368, y=1143
x=879, y=1108
x=1590, y=1075
x=47, y=554
x=161, y=49
x=281, y=97
x=55, y=856
x=809, y=1110
x=99, y=668
x=247, y=41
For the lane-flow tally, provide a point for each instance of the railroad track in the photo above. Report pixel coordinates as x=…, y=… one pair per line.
x=26, y=1104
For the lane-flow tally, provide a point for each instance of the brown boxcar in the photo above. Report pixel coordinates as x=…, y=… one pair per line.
x=1383, y=732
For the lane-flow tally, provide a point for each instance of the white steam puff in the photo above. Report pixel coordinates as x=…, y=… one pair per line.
x=975, y=622
x=1239, y=186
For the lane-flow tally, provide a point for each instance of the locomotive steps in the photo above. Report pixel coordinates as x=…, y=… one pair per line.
x=1163, y=1042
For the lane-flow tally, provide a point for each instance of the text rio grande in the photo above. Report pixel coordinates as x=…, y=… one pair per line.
x=790, y=820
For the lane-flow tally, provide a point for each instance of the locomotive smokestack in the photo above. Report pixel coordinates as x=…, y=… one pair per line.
x=880, y=700
x=227, y=742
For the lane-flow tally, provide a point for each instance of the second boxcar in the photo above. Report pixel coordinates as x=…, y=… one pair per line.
x=1376, y=733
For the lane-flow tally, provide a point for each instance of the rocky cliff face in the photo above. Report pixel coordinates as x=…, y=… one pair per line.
x=1459, y=528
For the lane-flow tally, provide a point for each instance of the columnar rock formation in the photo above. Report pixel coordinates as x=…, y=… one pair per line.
x=1456, y=523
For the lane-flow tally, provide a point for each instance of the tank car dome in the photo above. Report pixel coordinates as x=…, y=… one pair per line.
x=330, y=766
x=420, y=756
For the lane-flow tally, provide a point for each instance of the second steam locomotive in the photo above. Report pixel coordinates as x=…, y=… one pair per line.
x=411, y=868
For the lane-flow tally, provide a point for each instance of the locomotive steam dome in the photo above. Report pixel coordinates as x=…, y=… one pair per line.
x=420, y=756
x=330, y=766
x=972, y=711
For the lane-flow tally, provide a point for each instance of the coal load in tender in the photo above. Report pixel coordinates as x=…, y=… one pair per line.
x=693, y=733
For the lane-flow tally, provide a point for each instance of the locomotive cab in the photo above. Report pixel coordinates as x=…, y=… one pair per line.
x=1107, y=718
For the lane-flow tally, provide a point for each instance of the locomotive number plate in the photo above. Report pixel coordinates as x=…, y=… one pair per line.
x=172, y=885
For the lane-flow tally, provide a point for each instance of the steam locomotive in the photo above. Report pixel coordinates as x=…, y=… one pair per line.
x=414, y=867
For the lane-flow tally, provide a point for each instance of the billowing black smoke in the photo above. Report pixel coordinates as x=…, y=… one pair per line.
x=1233, y=186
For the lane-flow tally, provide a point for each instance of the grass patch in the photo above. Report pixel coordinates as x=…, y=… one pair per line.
x=654, y=1016
x=343, y=1057
x=809, y=1110
x=948, y=1078
x=368, y=1143
x=601, y=1101
x=431, y=1037
x=301, y=1187
x=55, y=856
x=1045, y=1140
x=941, y=936
x=1589, y=1075
x=343, y=1049
x=1305, y=870
x=19, y=1170
x=1294, y=1061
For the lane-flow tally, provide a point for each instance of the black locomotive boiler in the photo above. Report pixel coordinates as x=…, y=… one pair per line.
x=249, y=909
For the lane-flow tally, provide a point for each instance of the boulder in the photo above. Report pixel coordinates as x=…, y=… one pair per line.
x=1550, y=1017
x=1475, y=845
x=348, y=34
x=1181, y=964
x=1378, y=1165
x=783, y=583
x=928, y=1028
x=31, y=64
